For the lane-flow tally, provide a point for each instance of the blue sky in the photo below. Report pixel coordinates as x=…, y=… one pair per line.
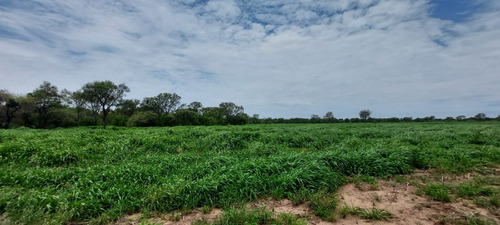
x=281, y=58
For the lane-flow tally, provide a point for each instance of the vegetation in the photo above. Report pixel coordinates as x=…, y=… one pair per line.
x=242, y=216
x=369, y=214
x=103, y=103
x=91, y=174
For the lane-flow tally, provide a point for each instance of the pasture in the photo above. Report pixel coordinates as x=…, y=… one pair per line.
x=93, y=175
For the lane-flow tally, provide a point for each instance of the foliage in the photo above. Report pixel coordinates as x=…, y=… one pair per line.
x=44, y=98
x=324, y=204
x=365, y=114
x=143, y=119
x=438, y=192
x=104, y=94
x=89, y=174
x=162, y=104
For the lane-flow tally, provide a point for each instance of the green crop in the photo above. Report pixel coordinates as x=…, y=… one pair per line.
x=95, y=175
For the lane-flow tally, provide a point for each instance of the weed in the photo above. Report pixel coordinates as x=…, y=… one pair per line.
x=438, y=192
x=375, y=214
x=372, y=214
x=492, y=203
x=92, y=175
x=244, y=216
x=346, y=210
x=323, y=203
x=206, y=209
x=288, y=219
x=467, y=220
x=473, y=190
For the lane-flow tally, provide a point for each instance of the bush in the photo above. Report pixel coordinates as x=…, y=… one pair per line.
x=142, y=119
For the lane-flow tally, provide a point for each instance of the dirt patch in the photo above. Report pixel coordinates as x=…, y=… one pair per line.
x=403, y=202
x=173, y=218
x=400, y=199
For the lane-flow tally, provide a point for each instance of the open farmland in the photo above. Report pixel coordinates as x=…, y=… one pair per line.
x=95, y=175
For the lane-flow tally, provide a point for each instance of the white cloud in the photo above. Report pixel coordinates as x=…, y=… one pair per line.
x=308, y=57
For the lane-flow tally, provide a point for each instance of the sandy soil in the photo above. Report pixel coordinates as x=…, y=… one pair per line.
x=399, y=199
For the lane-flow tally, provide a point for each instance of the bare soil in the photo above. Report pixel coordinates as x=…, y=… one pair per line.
x=399, y=199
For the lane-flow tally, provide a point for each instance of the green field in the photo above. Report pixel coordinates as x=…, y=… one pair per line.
x=90, y=174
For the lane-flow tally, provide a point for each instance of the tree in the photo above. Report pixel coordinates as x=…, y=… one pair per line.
x=460, y=118
x=163, y=103
x=45, y=97
x=195, y=106
x=127, y=107
x=186, y=117
x=328, y=116
x=142, y=119
x=365, y=114
x=105, y=94
x=78, y=101
x=230, y=111
x=10, y=105
x=254, y=119
x=213, y=115
x=315, y=119
x=480, y=116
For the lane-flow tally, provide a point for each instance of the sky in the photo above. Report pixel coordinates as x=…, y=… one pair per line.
x=279, y=58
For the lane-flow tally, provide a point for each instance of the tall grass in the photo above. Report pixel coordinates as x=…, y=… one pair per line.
x=88, y=174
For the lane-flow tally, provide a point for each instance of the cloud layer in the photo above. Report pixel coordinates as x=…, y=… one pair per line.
x=284, y=58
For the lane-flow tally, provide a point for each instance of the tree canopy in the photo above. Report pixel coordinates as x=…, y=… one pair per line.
x=106, y=94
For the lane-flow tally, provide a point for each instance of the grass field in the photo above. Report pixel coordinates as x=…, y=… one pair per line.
x=95, y=175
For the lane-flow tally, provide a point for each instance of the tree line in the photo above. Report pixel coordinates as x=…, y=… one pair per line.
x=103, y=103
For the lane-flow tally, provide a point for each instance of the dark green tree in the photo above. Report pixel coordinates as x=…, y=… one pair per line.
x=45, y=98
x=480, y=116
x=9, y=105
x=195, y=106
x=162, y=104
x=127, y=107
x=328, y=116
x=105, y=94
x=365, y=114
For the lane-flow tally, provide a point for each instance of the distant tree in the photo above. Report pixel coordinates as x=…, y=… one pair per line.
x=315, y=119
x=365, y=114
x=162, y=104
x=186, y=117
x=407, y=119
x=77, y=100
x=449, y=118
x=239, y=119
x=429, y=118
x=45, y=97
x=10, y=105
x=254, y=119
x=127, y=107
x=195, y=106
x=498, y=117
x=328, y=116
x=66, y=97
x=106, y=94
x=460, y=118
x=480, y=116
x=142, y=119
x=230, y=111
x=213, y=115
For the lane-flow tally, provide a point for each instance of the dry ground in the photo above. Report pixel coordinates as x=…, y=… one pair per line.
x=398, y=198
